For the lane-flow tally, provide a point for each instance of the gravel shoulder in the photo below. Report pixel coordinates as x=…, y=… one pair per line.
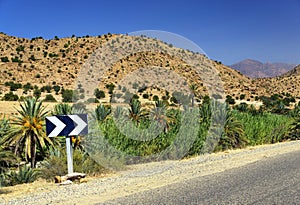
x=141, y=177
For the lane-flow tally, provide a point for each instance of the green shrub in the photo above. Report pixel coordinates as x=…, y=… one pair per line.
x=23, y=175
x=93, y=100
x=99, y=93
x=37, y=92
x=156, y=98
x=56, y=88
x=110, y=88
x=20, y=48
x=10, y=97
x=4, y=59
x=56, y=164
x=67, y=95
x=145, y=95
x=230, y=100
x=32, y=58
x=49, y=98
x=27, y=87
x=47, y=88
x=13, y=86
x=16, y=60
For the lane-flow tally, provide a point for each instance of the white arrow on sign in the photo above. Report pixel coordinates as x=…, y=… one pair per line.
x=80, y=125
x=59, y=126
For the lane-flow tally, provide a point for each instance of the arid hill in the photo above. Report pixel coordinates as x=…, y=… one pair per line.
x=59, y=62
x=286, y=83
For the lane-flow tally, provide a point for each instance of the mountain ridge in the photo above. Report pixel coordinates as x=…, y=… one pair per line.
x=257, y=69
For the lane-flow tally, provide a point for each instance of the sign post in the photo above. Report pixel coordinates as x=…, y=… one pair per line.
x=69, y=155
x=67, y=125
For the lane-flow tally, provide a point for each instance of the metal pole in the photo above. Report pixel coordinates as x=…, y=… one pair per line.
x=69, y=155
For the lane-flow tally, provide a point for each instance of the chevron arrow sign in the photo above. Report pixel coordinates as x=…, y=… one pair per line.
x=66, y=125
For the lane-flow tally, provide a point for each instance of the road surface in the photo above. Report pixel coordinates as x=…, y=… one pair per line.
x=273, y=180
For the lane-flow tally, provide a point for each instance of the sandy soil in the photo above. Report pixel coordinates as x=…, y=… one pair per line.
x=7, y=108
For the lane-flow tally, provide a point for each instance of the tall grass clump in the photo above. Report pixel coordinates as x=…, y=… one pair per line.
x=264, y=128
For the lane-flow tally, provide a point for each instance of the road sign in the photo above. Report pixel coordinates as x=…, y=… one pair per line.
x=66, y=125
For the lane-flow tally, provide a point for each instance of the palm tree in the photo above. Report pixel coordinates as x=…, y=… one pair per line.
x=27, y=132
x=62, y=109
x=161, y=115
x=233, y=136
x=4, y=126
x=136, y=112
x=101, y=113
x=193, y=88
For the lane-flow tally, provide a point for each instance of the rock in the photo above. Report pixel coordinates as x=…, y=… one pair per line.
x=64, y=178
x=83, y=180
x=71, y=177
x=75, y=175
x=67, y=182
x=57, y=179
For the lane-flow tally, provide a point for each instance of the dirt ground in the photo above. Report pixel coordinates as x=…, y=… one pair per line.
x=8, y=108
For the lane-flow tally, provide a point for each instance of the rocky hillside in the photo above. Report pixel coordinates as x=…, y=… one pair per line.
x=39, y=63
x=286, y=83
x=256, y=69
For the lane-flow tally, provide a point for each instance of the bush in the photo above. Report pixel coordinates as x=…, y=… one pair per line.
x=23, y=175
x=47, y=88
x=56, y=164
x=145, y=96
x=16, y=60
x=13, y=86
x=49, y=98
x=110, y=88
x=4, y=59
x=92, y=100
x=230, y=100
x=32, y=58
x=10, y=97
x=56, y=88
x=242, y=96
x=156, y=98
x=67, y=96
x=99, y=93
x=37, y=92
x=27, y=86
x=20, y=48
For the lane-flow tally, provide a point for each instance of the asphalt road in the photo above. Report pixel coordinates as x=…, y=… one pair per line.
x=273, y=180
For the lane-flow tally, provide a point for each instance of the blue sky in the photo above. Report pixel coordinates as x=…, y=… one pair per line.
x=227, y=30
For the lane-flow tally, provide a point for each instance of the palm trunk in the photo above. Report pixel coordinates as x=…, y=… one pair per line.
x=33, y=152
x=193, y=100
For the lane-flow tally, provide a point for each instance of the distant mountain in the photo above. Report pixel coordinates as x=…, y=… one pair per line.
x=256, y=69
x=293, y=72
